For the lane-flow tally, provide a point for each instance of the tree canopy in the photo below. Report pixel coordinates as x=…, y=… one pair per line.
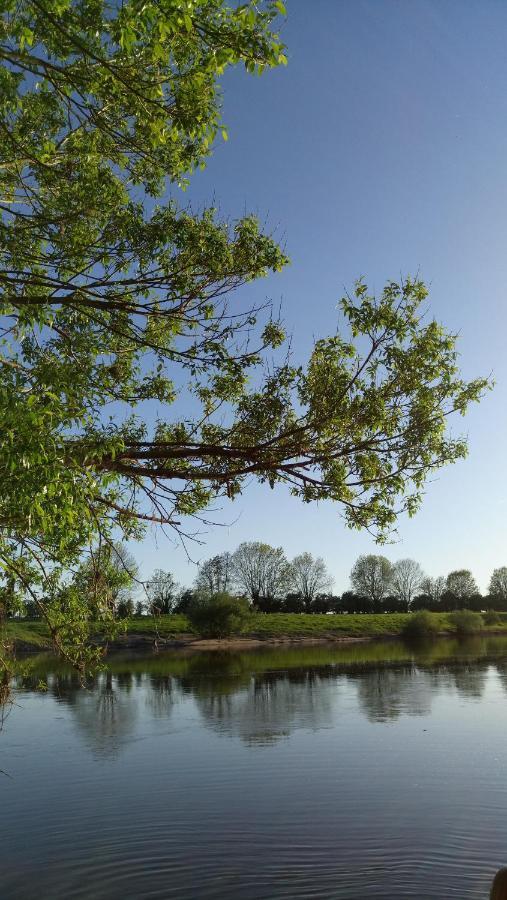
x=115, y=300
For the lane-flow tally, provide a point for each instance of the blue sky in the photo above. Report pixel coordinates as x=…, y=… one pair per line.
x=380, y=150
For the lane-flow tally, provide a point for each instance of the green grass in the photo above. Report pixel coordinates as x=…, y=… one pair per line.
x=269, y=626
x=33, y=634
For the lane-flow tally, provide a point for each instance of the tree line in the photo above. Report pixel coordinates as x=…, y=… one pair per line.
x=109, y=580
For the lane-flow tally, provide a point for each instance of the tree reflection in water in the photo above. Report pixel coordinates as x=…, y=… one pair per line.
x=262, y=697
x=272, y=705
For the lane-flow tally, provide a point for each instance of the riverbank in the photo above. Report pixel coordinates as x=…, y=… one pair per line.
x=271, y=628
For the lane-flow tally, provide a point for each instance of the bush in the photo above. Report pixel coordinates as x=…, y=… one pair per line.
x=218, y=615
x=491, y=617
x=420, y=625
x=464, y=621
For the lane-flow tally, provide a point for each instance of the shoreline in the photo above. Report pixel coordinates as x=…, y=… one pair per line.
x=149, y=643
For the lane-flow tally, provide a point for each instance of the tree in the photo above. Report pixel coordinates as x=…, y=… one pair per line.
x=354, y=603
x=215, y=574
x=293, y=603
x=461, y=584
x=260, y=570
x=125, y=608
x=407, y=577
x=162, y=591
x=107, y=302
x=104, y=580
x=309, y=577
x=433, y=588
x=371, y=577
x=498, y=584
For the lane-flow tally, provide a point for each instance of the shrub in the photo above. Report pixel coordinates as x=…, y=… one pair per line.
x=420, y=625
x=218, y=615
x=491, y=617
x=464, y=621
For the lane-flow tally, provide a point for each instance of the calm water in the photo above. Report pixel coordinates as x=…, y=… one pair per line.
x=311, y=773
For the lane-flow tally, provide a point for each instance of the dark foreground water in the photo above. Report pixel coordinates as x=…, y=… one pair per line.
x=365, y=772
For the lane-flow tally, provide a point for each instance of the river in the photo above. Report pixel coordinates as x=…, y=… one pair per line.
x=324, y=773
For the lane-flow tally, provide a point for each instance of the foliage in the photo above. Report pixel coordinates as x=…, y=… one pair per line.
x=260, y=570
x=215, y=574
x=110, y=297
x=218, y=615
x=464, y=621
x=309, y=577
x=102, y=292
x=491, y=617
x=461, y=583
x=104, y=580
x=163, y=592
x=406, y=580
x=420, y=625
x=294, y=603
x=433, y=588
x=498, y=583
x=371, y=577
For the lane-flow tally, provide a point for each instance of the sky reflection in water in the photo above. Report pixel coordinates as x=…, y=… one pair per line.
x=301, y=773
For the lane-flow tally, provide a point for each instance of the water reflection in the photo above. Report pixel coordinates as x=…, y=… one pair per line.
x=262, y=697
x=272, y=705
x=385, y=694
x=299, y=772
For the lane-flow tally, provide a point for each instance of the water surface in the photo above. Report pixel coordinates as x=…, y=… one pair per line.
x=317, y=772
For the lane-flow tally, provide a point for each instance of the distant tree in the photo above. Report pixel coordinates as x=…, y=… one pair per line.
x=498, y=584
x=423, y=602
x=309, y=577
x=356, y=603
x=322, y=603
x=406, y=580
x=125, y=608
x=260, y=570
x=293, y=603
x=476, y=602
x=31, y=610
x=215, y=574
x=371, y=577
x=184, y=601
x=139, y=610
x=269, y=604
x=393, y=604
x=104, y=578
x=162, y=591
x=450, y=601
x=11, y=602
x=433, y=588
x=462, y=584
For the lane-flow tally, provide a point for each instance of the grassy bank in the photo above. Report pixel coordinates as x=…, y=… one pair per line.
x=268, y=627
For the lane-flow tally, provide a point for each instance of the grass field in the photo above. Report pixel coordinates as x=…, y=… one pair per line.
x=268, y=626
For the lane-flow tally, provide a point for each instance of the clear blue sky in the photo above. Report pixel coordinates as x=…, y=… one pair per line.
x=380, y=149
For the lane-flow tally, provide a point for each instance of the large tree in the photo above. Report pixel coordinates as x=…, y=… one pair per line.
x=498, y=583
x=371, y=577
x=260, y=571
x=309, y=577
x=407, y=577
x=215, y=574
x=110, y=297
x=461, y=583
x=163, y=593
x=434, y=588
